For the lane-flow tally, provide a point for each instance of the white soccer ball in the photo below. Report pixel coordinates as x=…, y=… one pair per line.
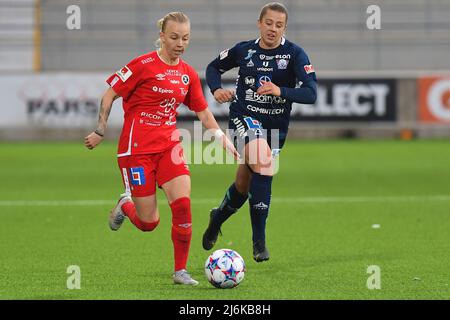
x=225, y=268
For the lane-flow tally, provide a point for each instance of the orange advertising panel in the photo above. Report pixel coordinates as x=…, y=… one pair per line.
x=434, y=99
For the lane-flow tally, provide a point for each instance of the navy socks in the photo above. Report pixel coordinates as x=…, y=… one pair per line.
x=260, y=193
x=232, y=201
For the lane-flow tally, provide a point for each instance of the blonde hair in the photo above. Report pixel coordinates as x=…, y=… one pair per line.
x=176, y=16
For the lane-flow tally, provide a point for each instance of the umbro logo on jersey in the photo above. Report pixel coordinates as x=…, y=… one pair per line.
x=261, y=206
x=160, y=76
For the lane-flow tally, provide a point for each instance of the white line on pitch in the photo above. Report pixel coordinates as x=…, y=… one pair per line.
x=61, y=203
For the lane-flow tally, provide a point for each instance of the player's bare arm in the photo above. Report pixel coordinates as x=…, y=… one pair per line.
x=210, y=123
x=95, y=137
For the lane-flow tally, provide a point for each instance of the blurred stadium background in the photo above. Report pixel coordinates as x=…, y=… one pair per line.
x=339, y=204
x=386, y=83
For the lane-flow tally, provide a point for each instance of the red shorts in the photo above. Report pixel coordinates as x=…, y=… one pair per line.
x=141, y=172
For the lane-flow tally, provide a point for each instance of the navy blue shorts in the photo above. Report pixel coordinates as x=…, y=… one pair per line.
x=243, y=129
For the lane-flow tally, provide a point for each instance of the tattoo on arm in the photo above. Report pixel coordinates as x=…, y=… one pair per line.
x=105, y=110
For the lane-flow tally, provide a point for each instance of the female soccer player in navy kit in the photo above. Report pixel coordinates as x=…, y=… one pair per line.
x=273, y=73
x=149, y=151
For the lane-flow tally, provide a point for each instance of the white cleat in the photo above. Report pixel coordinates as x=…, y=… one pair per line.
x=116, y=216
x=183, y=277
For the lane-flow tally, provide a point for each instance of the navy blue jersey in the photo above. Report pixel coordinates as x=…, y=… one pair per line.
x=287, y=66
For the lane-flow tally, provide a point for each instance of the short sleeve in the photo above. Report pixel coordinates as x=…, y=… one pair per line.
x=125, y=80
x=195, y=100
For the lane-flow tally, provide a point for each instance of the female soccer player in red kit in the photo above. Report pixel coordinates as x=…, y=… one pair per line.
x=149, y=151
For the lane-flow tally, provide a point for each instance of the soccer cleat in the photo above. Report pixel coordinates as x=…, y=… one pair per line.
x=211, y=234
x=260, y=252
x=116, y=216
x=183, y=277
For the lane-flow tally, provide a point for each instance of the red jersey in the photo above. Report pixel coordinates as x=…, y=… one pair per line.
x=152, y=91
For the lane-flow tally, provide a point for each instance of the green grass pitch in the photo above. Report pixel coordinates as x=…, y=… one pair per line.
x=326, y=198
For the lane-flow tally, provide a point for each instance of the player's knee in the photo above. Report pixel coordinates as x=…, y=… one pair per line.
x=149, y=226
x=148, y=220
x=242, y=185
x=264, y=168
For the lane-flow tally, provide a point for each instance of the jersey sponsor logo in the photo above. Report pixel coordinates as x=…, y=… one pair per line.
x=250, y=81
x=308, y=68
x=137, y=176
x=169, y=105
x=124, y=73
x=150, y=115
x=183, y=91
x=185, y=79
x=282, y=64
x=224, y=54
x=266, y=64
x=252, y=123
x=114, y=81
x=172, y=120
x=149, y=59
x=150, y=123
x=251, y=95
x=264, y=79
x=172, y=72
x=160, y=77
x=250, y=64
x=260, y=110
x=173, y=81
x=264, y=57
x=161, y=90
x=283, y=56
x=240, y=127
x=250, y=53
x=264, y=69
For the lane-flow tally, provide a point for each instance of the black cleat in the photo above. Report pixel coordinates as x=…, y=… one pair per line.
x=211, y=233
x=260, y=252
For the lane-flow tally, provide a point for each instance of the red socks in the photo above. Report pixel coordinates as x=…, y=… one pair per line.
x=130, y=210
x=181, y=227
x=181, y=231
